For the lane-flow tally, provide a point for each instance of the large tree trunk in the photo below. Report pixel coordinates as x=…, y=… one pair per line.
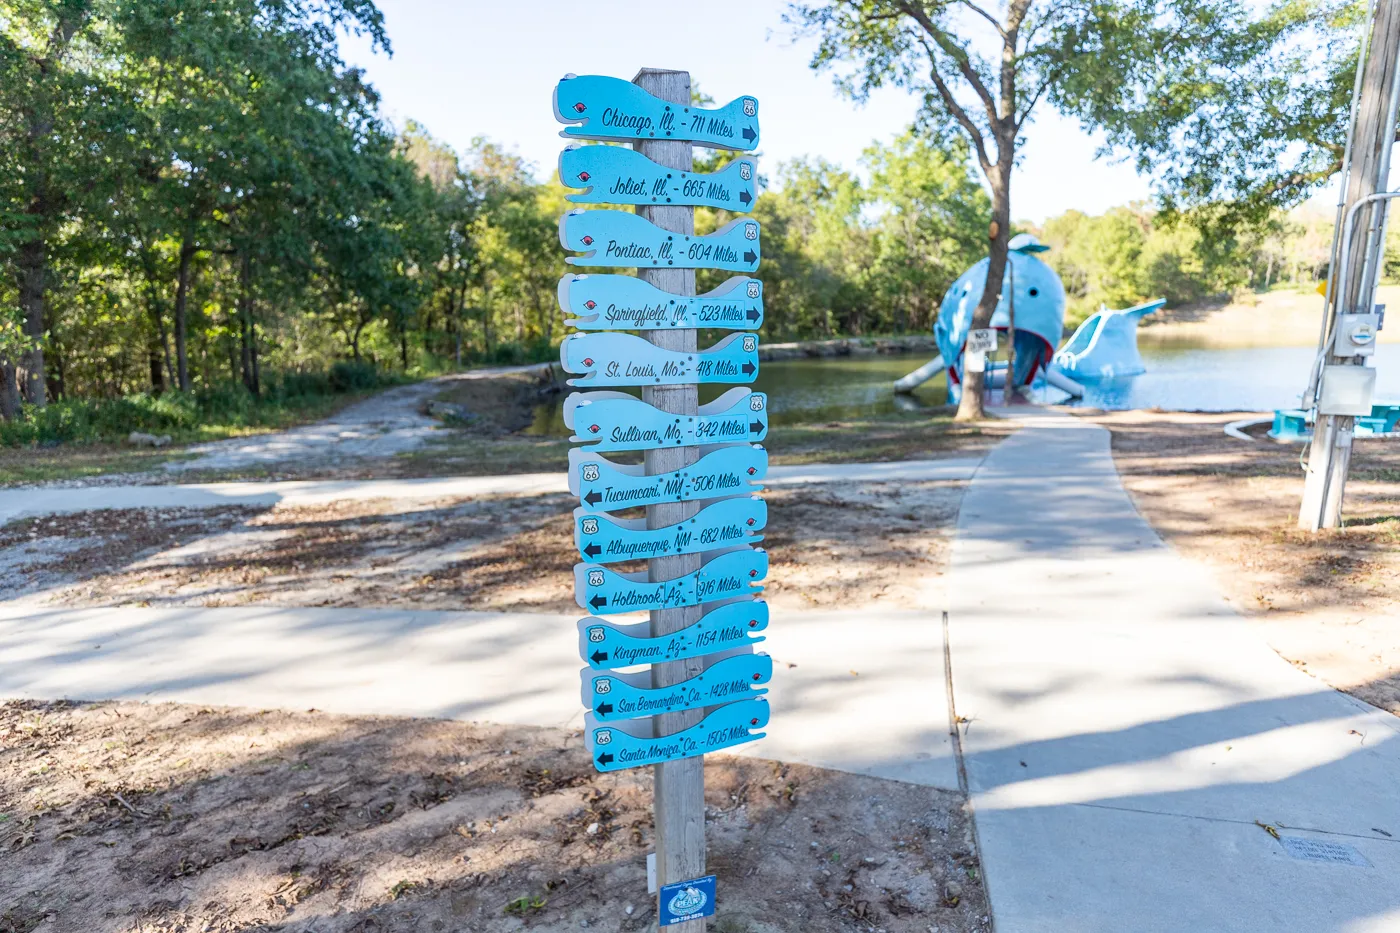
x=970, y=406
x=31, y=265
x=9, y=391
x=182, y=294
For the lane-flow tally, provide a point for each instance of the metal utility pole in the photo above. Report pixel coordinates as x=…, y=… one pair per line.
x=680, y=785
x=1358, y=246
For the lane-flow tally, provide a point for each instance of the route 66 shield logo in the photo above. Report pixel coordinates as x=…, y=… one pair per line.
x=745, y=170
x=753, y=290
x=595, y=634
x=750, y=106
x=590, y=472
x=602, y=737
x=590, y=526
x=595, y=578
x=751, y=231
x=749, y=344
x=602, y=685
x=755, y=403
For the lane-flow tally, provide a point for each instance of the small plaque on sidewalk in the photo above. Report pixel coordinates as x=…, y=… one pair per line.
x=1315, y=850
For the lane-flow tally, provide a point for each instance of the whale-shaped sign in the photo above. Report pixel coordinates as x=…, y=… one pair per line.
x=616, y=746
x=614, y=696
x=618, y=175
x=621, y=238
x=618, y=421
x=604, y=486
x=624, y=302
x=732, y=573
x=724, y=523
x=607, y=645
x=611, y=108
x=628, y=360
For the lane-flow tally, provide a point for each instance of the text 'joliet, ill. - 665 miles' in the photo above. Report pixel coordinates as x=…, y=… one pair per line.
x=686, y=681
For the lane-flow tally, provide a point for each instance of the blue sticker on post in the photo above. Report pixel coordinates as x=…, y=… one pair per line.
x=614, y=109
x=606, y=592
x=630, y=744
x=618, y=175
x=604, y=486
x=624, y=302
x=686, y=900
x=621, y=238
x=614, y=696
x=607, y=646
x=618, y=421
x=725, y=523
x=629, y=360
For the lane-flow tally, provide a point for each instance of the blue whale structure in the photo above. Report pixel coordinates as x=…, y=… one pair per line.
x=1104, y=347
x=1040, y=312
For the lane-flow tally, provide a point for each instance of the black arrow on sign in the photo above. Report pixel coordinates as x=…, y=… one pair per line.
x=756, y=427
x=598, y=657
x=605, y=759
x=593, y=498
x=602, y=709
x=748, y=369
x=592, y=550
x=752, y=315
x=749, y=255
x=745, y=197
x=596, y=602
x=749, y=134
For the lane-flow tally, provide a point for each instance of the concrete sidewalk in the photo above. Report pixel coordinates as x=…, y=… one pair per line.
x=833, y=682
x=1127, y=734
x=21, y=503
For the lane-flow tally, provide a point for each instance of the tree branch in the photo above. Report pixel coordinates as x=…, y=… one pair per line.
x=985, y=15
x=957, y=54
x=956, y=109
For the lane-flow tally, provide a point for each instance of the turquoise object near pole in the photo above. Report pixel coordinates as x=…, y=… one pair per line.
x=624, y=302
x=616, y=746
x=723, y=523
x=628, y=360
x=604, y=486
x=621, y=238
x=610, y=108
x=732, y=573
x=608, y=645
x=617, y=175
x=612, y=696
x=618, y=421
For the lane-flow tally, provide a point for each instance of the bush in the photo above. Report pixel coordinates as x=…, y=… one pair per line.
x=186, y=415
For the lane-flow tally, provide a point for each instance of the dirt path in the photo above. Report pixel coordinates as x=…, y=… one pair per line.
x=831, y=545
x=1328, y=603
x=133, y=818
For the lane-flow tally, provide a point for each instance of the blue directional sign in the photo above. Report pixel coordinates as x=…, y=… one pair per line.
x=611, y=108
x=617, y=175
x=686, y=900
x=607, y=645
x=724, y=523
x=614, y=696
x=624, y=302
x=604, y=486
x=628, y=360
x=621, y=238
x=618, y=421
x=616, y=746
x=607, y=592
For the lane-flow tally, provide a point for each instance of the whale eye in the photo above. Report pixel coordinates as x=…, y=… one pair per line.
x=1034, y=292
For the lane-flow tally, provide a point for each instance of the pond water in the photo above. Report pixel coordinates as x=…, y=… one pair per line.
x=1178, y=378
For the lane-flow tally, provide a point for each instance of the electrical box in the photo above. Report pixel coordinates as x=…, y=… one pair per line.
x=1356, y=334
x=1346, y=390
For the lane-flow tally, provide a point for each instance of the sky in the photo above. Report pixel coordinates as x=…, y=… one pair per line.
x=488, y=68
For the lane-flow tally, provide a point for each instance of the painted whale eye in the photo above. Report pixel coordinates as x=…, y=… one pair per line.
x=1034, y=292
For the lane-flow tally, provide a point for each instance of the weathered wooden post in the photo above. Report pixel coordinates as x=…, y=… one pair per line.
x=703, y=690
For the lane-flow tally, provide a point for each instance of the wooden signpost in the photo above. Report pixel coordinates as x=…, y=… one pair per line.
x=687, y=682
